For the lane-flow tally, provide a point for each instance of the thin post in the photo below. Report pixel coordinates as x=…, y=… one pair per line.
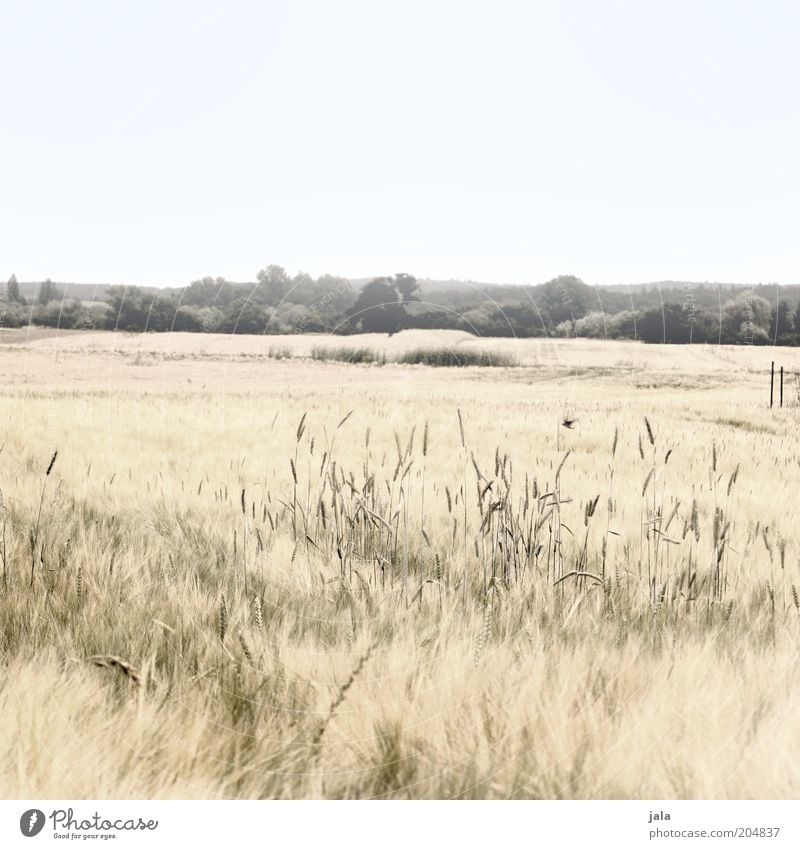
x=781, y=386
x=771, y=383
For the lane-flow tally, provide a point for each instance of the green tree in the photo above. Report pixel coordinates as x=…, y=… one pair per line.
x=780, y=322
x=128, y=307
x=380, y=307
x=47, y=292
x=243, y=316
x=58, y=313
x=622, y=325
x=487, y=319
x=208, y=292
x=406, y=286
x=161, y=313
x=565, y=298
x=191, y=319
x=12, y=287
x=745, y=319
x=188, y=320
x=273, y=285
x=592, y=326
x=673, y=325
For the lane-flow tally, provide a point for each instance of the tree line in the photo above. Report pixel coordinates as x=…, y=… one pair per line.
x=277, y=303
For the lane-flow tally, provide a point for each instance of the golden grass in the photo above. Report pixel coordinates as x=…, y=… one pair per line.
x=260, y=578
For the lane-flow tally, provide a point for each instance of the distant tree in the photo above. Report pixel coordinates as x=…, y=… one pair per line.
x=294, y=318
x=380, y=307
x=745, y=319
x=487, y=319
x=623, y=325
x=592, y=326
x=334, y=296
x=128, y=307
x=524, y=320
x=780, y=322
x=300, y=287
x=436, y=319
x=65, y=314
x=188, y=320
x=197, y=319
x=12, y=288
x=13, y=315
x=161, y=313
x=133, y=309
x=47, y=292
x=208, y=292
x=337, y=290
x=243, y=316
x=564, y=329
x=273, y=285
x=672, y=324
x=566, y=298
x=406, y=286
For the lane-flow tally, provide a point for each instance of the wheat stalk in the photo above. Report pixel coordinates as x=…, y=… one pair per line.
x=34, y=536
x=223, y=618
x=340, y=696
x=245, y=648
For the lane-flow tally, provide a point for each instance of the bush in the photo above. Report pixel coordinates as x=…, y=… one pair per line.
x=13, y=314
x=279, y=352
x=188, y=319
x=64, y=314
x=348, y=355
x=448, y=358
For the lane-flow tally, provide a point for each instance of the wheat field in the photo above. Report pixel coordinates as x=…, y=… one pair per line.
x=231, y=575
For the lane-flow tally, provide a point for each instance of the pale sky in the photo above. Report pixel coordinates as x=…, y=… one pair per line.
x=157, y=142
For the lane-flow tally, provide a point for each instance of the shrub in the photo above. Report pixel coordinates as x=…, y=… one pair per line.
x=279, y=352
x=344, y=354
x=448, y=357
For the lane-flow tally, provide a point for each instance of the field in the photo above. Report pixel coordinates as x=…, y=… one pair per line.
x=248, y=573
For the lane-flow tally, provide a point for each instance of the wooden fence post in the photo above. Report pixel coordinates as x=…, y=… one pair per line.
x=771, y=384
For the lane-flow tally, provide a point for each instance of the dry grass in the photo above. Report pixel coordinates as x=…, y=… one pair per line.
x=280, y=578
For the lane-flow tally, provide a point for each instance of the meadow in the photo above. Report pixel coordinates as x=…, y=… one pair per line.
x=233, y=570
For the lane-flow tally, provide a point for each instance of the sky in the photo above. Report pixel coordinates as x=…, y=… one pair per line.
x=155, y=143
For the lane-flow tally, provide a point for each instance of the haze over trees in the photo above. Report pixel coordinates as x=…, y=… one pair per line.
x=278, y=303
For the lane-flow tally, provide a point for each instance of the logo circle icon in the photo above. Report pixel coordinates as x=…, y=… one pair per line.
x=31, y=822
